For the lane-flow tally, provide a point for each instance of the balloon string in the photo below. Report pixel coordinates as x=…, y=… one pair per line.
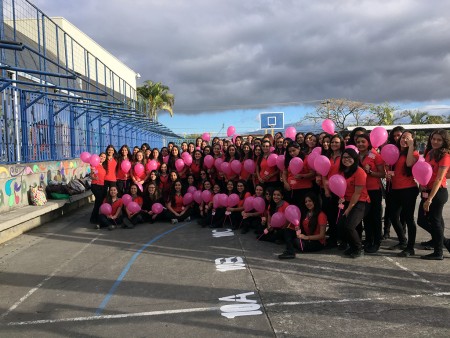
x=338, y=216
x=301, y=243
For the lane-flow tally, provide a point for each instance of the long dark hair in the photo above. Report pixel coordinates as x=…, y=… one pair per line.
x=120, y=158
x=407, y=170
x=314, y=219
x=242, y=195
x=173, y=192
x=349, y=171
x=342, y=147
x=445, y=149
x=393, y=131
x=152, y=198
x=288, y=157
x=351, y=141
x=272, y=204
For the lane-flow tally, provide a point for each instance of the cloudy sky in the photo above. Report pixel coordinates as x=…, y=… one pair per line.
x=228, y=60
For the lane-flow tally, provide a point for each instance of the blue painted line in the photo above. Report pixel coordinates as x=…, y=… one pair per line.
x=128, y=266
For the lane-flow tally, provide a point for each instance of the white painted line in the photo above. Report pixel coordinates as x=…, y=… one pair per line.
x=412, y=273
x=33, y=290
x=207, y=309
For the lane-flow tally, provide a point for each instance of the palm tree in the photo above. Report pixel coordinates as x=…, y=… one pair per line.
x=157, y=97
x=417, y=117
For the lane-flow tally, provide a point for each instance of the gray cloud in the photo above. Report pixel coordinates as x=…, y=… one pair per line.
x=250, y=53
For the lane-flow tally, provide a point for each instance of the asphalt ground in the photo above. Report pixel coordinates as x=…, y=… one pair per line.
x=162, y=280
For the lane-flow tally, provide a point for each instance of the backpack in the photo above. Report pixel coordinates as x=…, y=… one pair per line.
x=76, y=186
x=37, y=196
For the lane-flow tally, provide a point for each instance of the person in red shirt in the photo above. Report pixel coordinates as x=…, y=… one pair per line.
x=139, y=178
x=123, y=179
x=311, y=230
x=277, y=204
x=151, y=196
x=176, y=210
x=435, y=194
x=373, y=165
x=111, y=164
x=252, y=218
x=403, y=193
x=98, y=187
x=197, y=165
x=131, y=219
x=266, y=174
x=115, y=219
x=236, y=212
x=355, y=201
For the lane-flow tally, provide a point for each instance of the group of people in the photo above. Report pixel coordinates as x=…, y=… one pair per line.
x=352, y=221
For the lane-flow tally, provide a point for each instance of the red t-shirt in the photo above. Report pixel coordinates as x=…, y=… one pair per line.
x=265, y=170
x=444, y=162
x=244, y=173
x=195, y=169
x=111, y=174
x=300, y=183
x=142, y=176
x=178, y=207
x=121, y=175
x=139, y=200
x=373, y=159
x=400, y=180
x=357, y=179
x=334, y=169
x=241, y=201
x=321, y=222
x=98, y=175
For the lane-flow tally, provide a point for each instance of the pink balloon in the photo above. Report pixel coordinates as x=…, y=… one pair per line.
x=223, y=200
x=206, y=137
x=231, y=130
x=197, y=196
x=351, y=146
x=422, y=172
x=272, y=160
x=139, y=185
x=138, y=168
x=272, y=149
x=295, y=165
x=421, y=158
x=184, y=154
x=187, y=159
x=236, y=166
x=133, y=207
x=259, y=204
x=233, y=200
x=328, y=126
x=106, y=209
x=338, y=185
x=390, y=154
x=179, y=164
x=151, y=165
x=208, y=161
x=191, y=189
x=248, y=203
x=378, y=136
x=198, y=148
x=166, y=159
x=225, y=168
x=94, y=160
x=293, y=214
x=290, y=133
x=188, y=198
x=249, y=166
x=317, y=150
x=278, y=220
x=126, y=199
x=311, y=158
x=85, y=156
x=125, y=166
x=157, y=208
x=322, y=165
x=216, y=201
x=280, y=162
x=206, y=196
x=218, y=164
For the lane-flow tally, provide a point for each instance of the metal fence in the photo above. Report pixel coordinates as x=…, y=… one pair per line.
x=58, y=99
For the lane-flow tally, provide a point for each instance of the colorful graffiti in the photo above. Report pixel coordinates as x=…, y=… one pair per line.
x=15, y=180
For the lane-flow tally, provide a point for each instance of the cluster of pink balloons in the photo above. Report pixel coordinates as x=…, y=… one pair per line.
x=131, y=206
x=93, y=160
x=254, y=203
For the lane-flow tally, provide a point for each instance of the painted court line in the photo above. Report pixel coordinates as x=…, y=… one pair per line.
x=33, y=290
x=128, y=266
x=210, y=309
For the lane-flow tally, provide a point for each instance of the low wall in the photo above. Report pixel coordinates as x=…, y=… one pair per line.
x=16, y=179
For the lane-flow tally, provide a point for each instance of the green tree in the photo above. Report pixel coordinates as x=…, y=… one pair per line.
x=156, y=97
x=416, y=117
x=341, y=111
x=382, y=114
x=435, y=119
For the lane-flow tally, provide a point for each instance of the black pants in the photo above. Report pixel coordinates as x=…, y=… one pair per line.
x=99, y=192
x=330, y=205
x=293, y=243
x=170, y=215
x=432, y=221
x=353, y=219
x=403, y=202
x=136, y=218
x=105, y=221
x=297, y=197
x=123, y=187
x=251, y=223
x=372, y=220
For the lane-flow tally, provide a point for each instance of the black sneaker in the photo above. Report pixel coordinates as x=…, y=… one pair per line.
x=447, y=244
x=127, y=224
x=386, y=235
x=357, y=254
x=342, y=246
x=111, y=227
x=348, y=251
x=286, y=255
x=399, y=246
x=433, y=256
x=427, y=243
x=406, y=253
x=372, y=249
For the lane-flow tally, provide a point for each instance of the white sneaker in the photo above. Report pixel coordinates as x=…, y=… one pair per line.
x=173, y=221
x=188, y=219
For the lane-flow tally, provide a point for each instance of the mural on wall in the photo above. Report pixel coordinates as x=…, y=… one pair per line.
x=15, y=180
